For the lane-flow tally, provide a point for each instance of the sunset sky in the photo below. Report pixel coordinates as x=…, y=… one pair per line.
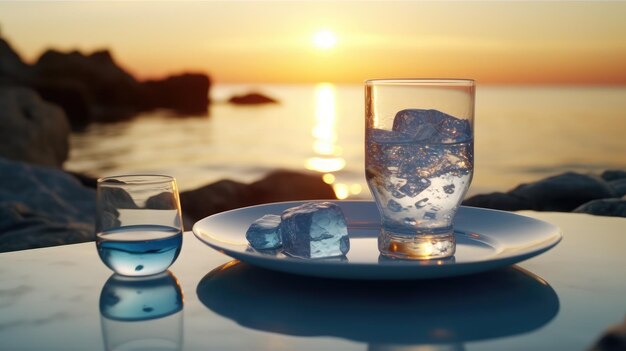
x=344, y=42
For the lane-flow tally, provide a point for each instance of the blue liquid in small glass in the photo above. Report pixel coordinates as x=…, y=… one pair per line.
x=139, y=250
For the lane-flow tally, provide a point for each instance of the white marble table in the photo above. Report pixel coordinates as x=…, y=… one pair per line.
x=561, y=300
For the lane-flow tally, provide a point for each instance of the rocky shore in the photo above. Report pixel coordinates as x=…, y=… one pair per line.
x=46, y=206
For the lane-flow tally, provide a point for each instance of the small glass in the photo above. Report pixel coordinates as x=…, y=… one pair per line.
x=138, y=223
x=419, y=161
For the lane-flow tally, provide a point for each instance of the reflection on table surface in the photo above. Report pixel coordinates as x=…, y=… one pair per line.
x=386, y=315
x=142, y=313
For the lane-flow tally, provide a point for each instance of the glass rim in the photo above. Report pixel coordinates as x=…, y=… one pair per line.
x=421, y=81
x=136, y=179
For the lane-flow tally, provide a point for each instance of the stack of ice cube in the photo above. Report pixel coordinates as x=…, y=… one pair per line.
x=311, y=230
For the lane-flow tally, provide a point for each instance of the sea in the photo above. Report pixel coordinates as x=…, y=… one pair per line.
x=522, y=134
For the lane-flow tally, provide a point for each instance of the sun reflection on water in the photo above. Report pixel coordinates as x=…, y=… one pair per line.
x=328, y=153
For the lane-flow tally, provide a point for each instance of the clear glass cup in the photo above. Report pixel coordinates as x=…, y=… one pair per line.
x=138, y=223
x=419, y=161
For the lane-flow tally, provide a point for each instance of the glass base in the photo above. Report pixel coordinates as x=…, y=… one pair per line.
x=422, y=246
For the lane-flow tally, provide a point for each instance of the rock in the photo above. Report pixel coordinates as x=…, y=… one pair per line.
x=185, y=93
x=227, y=194
x=213, y=198
x=619, y=186
x=85, y=180
x=93, y=87
x=32, y=130
x=285, y=185
x=604, y=207
x=110, y=89
x=165, y=200
x=500, y=201
x=22, y=228
x=563, y=192
x=72, y=97
x=106, y=82
x=613, y=339
x=613, y=174
x=251, y=99
x=42, y=206
x=12, y=68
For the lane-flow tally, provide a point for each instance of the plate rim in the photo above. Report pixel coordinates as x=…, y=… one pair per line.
x=462, y=268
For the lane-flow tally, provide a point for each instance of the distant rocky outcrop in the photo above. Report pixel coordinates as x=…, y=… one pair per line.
x=186, y=93
x=104, y=80
x=600, y=195
x=251, y=99
x=32, y=130
x=93, y=87
x=88, y=87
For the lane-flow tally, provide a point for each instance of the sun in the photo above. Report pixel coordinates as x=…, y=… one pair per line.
x=324, y=39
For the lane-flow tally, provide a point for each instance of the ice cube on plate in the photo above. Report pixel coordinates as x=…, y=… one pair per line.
x=264, y=233
x=314, y=230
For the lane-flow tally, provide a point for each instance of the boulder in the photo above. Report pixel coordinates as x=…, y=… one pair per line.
x=563, y=192
x=43, y=206
x=186, y=93
x=106, y=82
x=12, y=68
x=500, y=201
x=613, y=339
x=94, y=80
x=113, y=93
x=213, y=198
x=227, y=194
x=290, y=186
x=32, y=130
x=251, y=99
x=72, y=96
x=95, y=88
x=604, y=207
x=618, y=186
x=613, y=174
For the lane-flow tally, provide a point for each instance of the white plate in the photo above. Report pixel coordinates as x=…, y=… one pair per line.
x=486, y=239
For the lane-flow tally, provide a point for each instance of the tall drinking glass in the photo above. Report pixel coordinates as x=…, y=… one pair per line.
x=138, y=223
x=419, y=160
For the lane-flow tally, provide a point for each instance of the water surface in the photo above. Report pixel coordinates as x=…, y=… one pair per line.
x=521, y=134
